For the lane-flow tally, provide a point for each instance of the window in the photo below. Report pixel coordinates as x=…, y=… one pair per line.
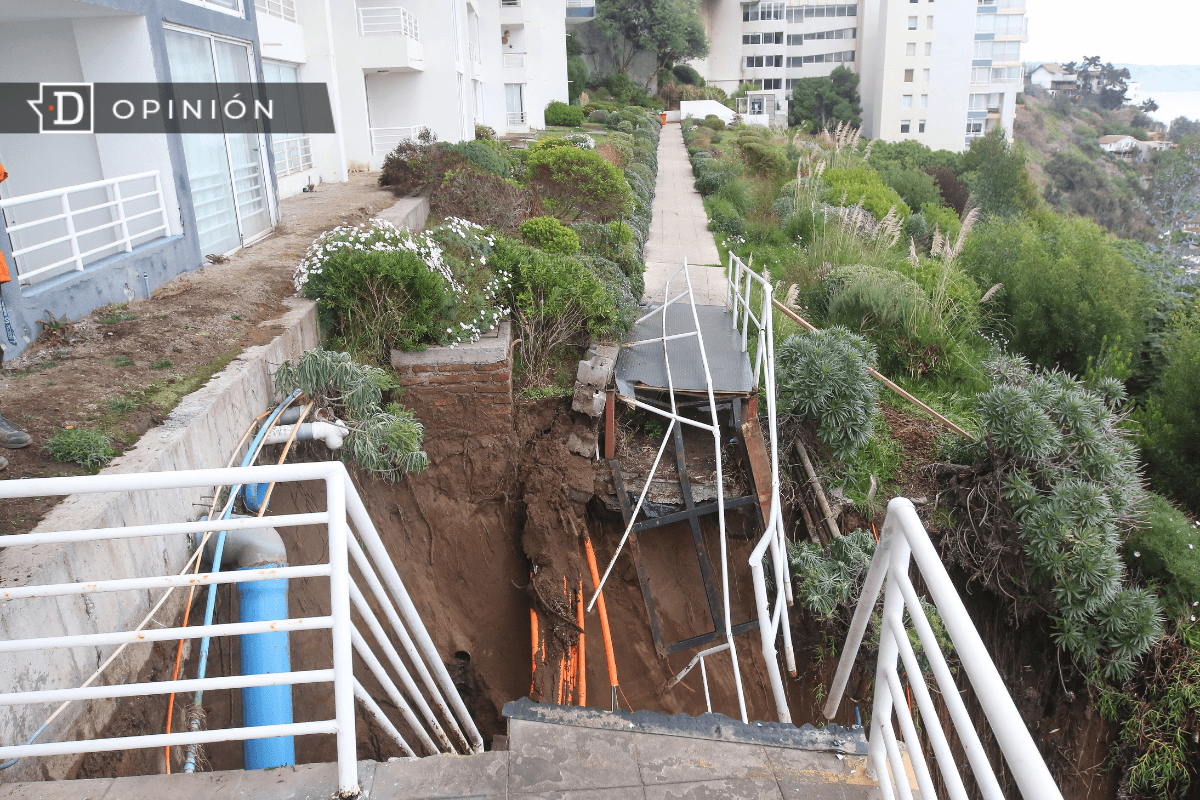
x=753, y=62
x=823, y=58
x=908, y=75
x=924, y=101
x=981, y=75
x=790, y=83
x=795, y=61
x=799, y=14
x=906, y=101
x=912, y=23
x=985, y=23
x=1000, y=24
x=795, y=39
x=929, y=46
x=763, y=38
x=751, y=38
x=1006, y=75
x=978, y=102
x=929, y=23
x=773, y=83
x=925, y=75
x=905, y=125
x=921, y=124
x=225, y=6
x=911, y=50
x=843, y=33
x=757, y=11
x=975, y=128
x=292, y=153
x=998, y=51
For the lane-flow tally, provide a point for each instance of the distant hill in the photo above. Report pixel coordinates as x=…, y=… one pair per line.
x=1179, y=78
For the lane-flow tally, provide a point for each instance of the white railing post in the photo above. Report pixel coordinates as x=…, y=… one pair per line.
x=120, y=205
x=162, y=203
x=70, y=222
x=343, y=646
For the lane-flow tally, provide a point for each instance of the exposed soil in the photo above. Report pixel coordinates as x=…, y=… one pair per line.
x=165, y=347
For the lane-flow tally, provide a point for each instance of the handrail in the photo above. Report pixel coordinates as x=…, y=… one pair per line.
x=120, y=235
x=513, y=61
x=283, y=9
x=433, y=711
x=902, y=541
x=384, y=140
x=742, y=283
x=386, y=20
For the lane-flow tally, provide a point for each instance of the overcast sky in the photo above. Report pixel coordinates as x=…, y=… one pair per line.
x=1146, y=32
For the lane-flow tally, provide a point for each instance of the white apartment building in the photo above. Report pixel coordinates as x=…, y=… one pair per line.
x=940, y=72
x=394, y=67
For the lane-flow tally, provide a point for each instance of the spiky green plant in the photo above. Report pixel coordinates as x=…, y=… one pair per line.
x=822, y=375
x=823, y=584
x=384, y=441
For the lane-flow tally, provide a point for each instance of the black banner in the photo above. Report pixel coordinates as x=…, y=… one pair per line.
x=283, y=108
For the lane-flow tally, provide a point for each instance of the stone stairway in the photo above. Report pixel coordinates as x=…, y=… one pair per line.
x=556, y=752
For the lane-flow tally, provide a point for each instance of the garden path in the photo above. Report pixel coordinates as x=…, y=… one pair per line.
x=679, y=227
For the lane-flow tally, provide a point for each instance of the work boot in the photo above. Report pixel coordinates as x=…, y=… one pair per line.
x=12, y=438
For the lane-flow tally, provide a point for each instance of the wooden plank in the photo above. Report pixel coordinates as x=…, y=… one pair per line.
x=760, y=465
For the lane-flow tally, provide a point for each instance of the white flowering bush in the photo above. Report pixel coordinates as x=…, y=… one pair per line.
x=378, y=287
x=581, y=140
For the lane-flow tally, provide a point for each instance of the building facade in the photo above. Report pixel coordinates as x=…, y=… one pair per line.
x=95, y=219
x=941, y=72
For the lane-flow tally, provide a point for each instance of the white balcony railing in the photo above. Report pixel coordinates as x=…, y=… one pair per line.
x=514, y=60
x=516, y=119
x=292, y=154
x=902, y=541
x=284, y=9
x=384, y=140
x=60, y=230
x=473, y=52
x=510, y=3
x=450, y=729
x=387, y=20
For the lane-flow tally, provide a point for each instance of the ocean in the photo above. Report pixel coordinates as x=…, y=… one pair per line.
x=1174, y=104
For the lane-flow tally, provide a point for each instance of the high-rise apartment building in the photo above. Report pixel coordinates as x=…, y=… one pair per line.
x=940, y=72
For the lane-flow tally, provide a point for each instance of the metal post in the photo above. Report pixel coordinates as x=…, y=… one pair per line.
x=343, y=647
x=162, y=204
x=116, y=187
x=66, y=209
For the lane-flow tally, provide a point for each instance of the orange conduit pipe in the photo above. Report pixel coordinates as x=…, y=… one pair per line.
x=609, y=656
x=582, y=665
x=533, y=632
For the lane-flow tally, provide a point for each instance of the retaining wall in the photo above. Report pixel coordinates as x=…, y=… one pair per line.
x=466, y=388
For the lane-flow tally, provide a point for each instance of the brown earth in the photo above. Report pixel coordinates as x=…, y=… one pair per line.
x=173, y=344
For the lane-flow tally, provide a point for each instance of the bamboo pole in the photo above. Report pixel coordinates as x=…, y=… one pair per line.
x=877, y=375
x=829, y=521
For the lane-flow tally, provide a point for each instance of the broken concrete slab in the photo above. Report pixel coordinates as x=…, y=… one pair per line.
x=558, y=758
x=484, y=775
x=592, y=378
x=408, y=212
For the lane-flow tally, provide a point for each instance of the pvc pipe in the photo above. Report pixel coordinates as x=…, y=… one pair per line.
x=164, y=582
x=385, y=723
x=368, y=657
x=165, y=634
x=266, y=654
x=343, y=648
x=163, y=687
x=165, y=529
x=331, y=433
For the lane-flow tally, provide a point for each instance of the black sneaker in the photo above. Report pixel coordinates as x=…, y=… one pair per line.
x=12, y=438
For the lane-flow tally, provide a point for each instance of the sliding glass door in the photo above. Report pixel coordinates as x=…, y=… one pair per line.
x=227, y=171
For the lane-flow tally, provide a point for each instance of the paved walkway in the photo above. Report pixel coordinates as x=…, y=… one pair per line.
x=679, y=228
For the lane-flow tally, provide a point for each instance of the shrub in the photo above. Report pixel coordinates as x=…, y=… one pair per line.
x=484, y=156
x=575, y=183
x=625, y=126
x=599, y=115
x=384, y=441
x=620, y=86
x=415, y=164
x=714, y=122
x=826, y=585
x=580, y=140
x=687, y=75
x=614, y=241
x=1171, y=419
x=469, y=193
x=915, y=188
x=562, y=114
x=86, y=447
x=943, y=219
x=723, y=218
x=549, y=235
x=1067, y=287
x=853, y=185
x=954, y=192
x=1159, y=551
x=822, y=376
x=379, y=288
x=485, y=132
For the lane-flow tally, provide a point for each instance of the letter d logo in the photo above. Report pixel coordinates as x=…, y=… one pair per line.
x=65, y=108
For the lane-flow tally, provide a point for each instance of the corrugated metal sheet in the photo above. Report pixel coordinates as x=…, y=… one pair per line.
x=644, y=367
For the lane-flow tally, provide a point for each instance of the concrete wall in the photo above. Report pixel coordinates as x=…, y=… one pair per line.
x=597, y=54
x=200, y=433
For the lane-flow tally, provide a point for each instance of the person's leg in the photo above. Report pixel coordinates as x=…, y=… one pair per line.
x=11, y=437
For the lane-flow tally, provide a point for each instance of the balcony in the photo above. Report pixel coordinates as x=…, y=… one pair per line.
x=390, y=40
x=513, y=61
x=473, y=52
x=580, y=10
x=384, y=140
x=63, y=230
x=283, y=9
x=517, y=119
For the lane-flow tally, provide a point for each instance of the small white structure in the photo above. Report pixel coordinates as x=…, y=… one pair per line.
x=1052, y=77
x=699, y=109
x=1119, y=144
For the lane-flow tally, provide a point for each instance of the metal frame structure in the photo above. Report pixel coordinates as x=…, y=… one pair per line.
x=674, y=433
x=435, y=714
x=903, y=541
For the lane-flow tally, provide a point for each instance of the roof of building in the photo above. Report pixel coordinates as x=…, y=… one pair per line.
x=1051, y=68
x=1114, y=137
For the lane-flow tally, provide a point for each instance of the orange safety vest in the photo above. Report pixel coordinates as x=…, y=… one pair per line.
x=4, y=276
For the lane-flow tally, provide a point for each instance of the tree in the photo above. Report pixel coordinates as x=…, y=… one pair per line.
x=1148, y=106
x=671, y=29
x=1182, y=126
x=995, y=171
x=1070, y=67
x=820, y=102
x=1114, y=85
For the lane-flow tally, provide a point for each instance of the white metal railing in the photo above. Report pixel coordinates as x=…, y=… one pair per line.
x=384, y=140
x=473, y=51
x=84, y=234
x=516, y=118
x=744, y=288
x=510, y=3
x=343, y=509
x=379, y=20
x=284, y=9
x=903, y=541
x=514, y=60
x=292, y=154
x=581, y=3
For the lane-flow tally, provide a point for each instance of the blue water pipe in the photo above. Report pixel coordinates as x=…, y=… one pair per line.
x=189, y=764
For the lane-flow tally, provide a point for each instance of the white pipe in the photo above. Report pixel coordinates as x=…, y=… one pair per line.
x=343, y=648
x=166, y=687
x=666, y=414
x=364, y=610
x=911, y=739
x=696, y=659
x=165, y=634
x=108, y=482
x=379, y=554
x=164, y=582
x=375, y=711
x=165, y=529
x=331, y=433
x=167, y=739
x=899, y=778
